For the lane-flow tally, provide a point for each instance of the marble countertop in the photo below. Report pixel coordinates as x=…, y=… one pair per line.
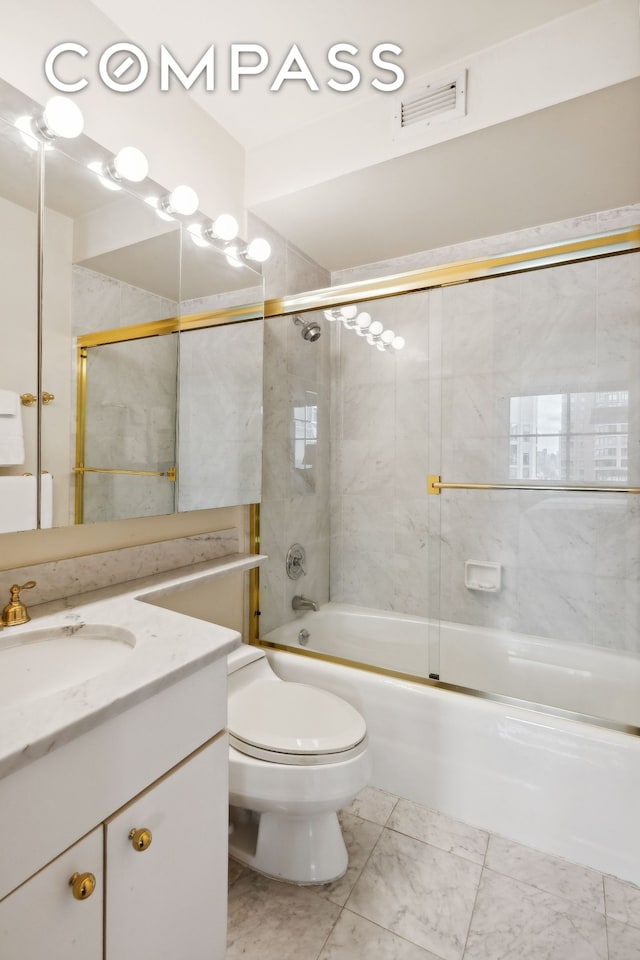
x=168, y=647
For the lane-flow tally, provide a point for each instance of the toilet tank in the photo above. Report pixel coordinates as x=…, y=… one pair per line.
x=246, y=665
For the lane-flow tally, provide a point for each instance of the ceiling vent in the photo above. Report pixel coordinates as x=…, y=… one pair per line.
x=428, y=102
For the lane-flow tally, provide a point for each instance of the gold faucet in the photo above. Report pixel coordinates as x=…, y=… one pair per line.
x=15, y=611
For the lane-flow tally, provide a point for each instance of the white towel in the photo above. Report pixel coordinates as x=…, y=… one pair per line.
x=11, y=435
x=18, y=503
x=9, y=403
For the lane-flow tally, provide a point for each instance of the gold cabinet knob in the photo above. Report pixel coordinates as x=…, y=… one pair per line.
x=140, y=839
x=82, y=885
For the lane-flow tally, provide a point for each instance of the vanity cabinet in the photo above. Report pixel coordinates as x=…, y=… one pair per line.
x=43, y=919
x=169, y=899
x=161, y=766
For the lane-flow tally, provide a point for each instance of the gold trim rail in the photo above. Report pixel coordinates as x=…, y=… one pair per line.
x=170, y=474
x=435, y=485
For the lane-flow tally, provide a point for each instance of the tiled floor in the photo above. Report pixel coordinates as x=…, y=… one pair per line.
x=423, y=887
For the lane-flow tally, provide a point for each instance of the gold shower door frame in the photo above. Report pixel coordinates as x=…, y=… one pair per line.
x=594, y=247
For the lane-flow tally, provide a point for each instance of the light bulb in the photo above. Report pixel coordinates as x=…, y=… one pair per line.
x=62, y=118
x=398, y=343
x=388, y=337
x=195, y=232
x=363, y=320
x=376, y=328
x=349, y=311
x=225, y=227
x=131, y=164
x=183, y=200
x=98, y=169
x=259, y=250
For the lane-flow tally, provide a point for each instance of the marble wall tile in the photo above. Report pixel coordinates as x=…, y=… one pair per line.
x=560, y=877
x=418, y=892
x=554, y=604
x=64, y=578
x=619, y=218
x=440, y=831
x=515, y=919
x=354, y=938
x=95, y=301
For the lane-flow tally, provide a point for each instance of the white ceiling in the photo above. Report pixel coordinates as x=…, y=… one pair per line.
x=432, y=33
x=527, y=167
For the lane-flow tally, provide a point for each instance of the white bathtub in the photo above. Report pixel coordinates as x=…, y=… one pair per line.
x=559, y=785
x=583, y=679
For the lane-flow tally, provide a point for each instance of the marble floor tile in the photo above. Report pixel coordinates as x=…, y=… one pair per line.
x=354, y=938
x=512, y=919
x=269, y=920
x=622, y=901
x=624, y=940
x=235, y=871
x=418, y=892
x=360, y=837
x=560, y=877
x=372, y=804
x=440, y=831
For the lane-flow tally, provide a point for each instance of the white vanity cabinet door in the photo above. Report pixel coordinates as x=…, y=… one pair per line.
x=170, y=900
x=41, y=920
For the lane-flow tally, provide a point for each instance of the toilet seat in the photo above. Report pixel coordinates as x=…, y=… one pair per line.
x=263, y=715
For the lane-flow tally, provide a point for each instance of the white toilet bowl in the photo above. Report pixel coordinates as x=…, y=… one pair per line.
x=297, y=755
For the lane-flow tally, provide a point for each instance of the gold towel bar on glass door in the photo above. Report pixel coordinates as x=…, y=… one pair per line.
x=170, y=474
x=435, y=485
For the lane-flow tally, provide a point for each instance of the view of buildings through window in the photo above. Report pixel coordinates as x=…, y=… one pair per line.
x=582, y=437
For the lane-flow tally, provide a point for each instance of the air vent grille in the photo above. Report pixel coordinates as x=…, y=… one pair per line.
x=429, y=102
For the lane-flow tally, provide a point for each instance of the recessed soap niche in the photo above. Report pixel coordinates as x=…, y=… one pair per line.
x=483, y=575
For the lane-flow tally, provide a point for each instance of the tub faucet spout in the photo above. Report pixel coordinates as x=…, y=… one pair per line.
x=303, y=603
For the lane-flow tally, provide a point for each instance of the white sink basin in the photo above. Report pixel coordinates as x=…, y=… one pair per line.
x=41, y=662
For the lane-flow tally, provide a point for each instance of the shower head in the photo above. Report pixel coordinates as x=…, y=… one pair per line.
x=309, y=329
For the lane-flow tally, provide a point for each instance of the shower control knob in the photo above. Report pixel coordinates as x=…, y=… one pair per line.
x=303, y=638
x=296, y=556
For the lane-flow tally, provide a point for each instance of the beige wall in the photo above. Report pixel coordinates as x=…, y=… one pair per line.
x=40, y=546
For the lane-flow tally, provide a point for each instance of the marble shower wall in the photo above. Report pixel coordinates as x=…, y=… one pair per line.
x=570, y=562
x=569, y=337
x=295, y=477
x=295, y=485
x=380, y=427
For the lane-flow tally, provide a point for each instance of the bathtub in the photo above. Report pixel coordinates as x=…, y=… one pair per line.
x=559, y=785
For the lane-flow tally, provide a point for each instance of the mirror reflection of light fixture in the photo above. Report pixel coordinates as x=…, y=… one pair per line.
x=259, y=250
x=224, y=227
x=101, y=172
x=182, y=199
x=372, y=330
x=195, y=231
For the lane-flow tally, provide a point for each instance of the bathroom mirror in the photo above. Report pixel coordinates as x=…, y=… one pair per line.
x=18, y=329
x=220, y=396
x=111, y=276
x=119, y=283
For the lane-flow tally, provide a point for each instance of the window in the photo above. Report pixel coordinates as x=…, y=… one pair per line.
x=569, y=436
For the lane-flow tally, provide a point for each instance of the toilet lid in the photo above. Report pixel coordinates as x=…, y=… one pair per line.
x=293, y=718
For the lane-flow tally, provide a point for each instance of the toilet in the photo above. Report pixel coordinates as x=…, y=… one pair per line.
x=297, y=755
